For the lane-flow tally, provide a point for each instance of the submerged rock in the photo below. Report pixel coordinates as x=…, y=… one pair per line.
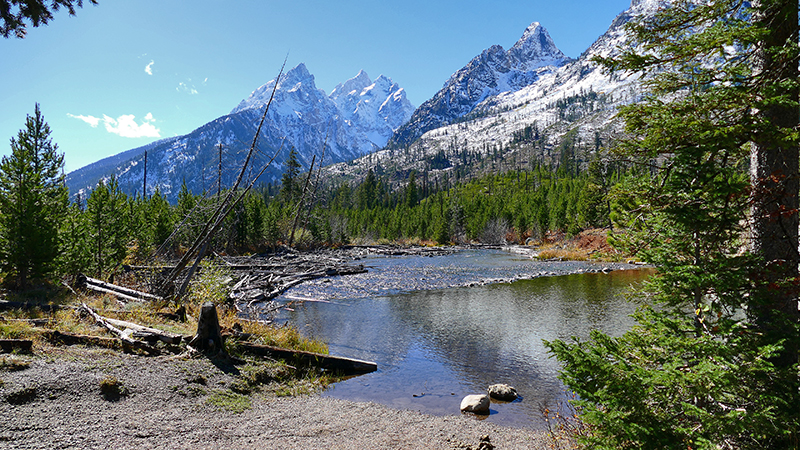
x=503, y=392
x=478, y=404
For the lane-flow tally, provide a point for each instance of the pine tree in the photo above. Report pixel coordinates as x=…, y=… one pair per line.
x=290, y=188
x=33, y=202
x=411, y=191
x=714, y=364
x=15, y=13
x=108, y=214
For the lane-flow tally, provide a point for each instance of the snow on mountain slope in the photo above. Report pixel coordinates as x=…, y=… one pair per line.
x=378, y=107
x=357, y=118
x=492, y=72
x=499, y=94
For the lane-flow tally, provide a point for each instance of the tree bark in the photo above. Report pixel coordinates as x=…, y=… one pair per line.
x=774, y=176
x=124, y=337
x=209, y=336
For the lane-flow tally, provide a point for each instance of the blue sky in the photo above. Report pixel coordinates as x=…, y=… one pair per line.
x=125, y=73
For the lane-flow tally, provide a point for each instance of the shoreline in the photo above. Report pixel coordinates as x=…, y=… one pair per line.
x=56, y=402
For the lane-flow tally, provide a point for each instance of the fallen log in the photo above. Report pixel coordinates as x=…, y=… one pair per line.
x=146, y=333
x=119, y=291
x=34, y=322
x=65, y=338
x=61, y=337
x=22, y=345
x=340, y=364
x=125, y=337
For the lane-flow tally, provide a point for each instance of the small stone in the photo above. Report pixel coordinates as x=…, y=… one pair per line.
x=503, y=392
x=478, y=404
x=485, y=443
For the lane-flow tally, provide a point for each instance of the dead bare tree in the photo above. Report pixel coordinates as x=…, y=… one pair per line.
x=200, y=245
x=302, y=200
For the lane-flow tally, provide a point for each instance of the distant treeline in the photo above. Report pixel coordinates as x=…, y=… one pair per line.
x=110, y=227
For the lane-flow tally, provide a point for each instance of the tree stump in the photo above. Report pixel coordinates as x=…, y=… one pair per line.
x=208, y=337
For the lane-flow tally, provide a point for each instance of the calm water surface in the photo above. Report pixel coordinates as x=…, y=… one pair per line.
x=465, y=331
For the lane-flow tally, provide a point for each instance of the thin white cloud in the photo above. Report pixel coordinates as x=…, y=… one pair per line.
x=183, y=87
x=124, y=125
x=91, y=120
x=149, y=68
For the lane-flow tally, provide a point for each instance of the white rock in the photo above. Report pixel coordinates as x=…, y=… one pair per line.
x=478, y=404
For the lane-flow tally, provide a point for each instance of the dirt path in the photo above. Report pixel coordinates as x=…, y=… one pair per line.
x=56, y=403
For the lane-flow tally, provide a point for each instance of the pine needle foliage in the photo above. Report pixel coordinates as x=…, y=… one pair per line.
x=33, y=202
x=700, y=370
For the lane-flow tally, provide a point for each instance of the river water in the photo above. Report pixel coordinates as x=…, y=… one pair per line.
x=443, y=327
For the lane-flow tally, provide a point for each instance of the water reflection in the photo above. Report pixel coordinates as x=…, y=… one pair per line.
x=434, y=347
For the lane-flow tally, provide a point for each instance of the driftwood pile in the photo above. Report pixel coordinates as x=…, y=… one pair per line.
x=264, y=279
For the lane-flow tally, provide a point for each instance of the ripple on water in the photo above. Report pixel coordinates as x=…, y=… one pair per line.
x=436, y=340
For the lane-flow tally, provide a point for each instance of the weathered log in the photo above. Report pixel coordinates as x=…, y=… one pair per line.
x=340, y=364
x=119, y=291
x=121, y=298
x=146, y=333
x=65, y=338
x=209, y=336
x=9, y=345
x=125, y=337
x=34, y=322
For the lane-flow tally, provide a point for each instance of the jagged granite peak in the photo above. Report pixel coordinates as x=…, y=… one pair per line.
x=377, y=107
x=575, y=98
x=296, y=79
x=492, y=72
x=359, y=120
x=395, y=109
x=650, y=5
x=352, y=86
x=535, y=49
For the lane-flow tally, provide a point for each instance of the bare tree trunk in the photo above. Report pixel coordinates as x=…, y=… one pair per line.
x=201, y=243
x=774, y=177
x=302, y=200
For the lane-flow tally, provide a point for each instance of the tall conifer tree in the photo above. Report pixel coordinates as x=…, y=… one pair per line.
x=715, y=364
x=33, y=201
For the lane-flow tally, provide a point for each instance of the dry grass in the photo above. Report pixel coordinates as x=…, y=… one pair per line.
x=588, y=245
x=211, y=285
x=564, y=426
x=566, y=254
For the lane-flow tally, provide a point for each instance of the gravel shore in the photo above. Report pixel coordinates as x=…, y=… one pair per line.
x=56, y=403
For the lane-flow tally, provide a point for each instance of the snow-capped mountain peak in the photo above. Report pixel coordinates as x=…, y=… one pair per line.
x=491, y=73
x=358, y=117
x=351, y=86
x=535, y=49
x=295, y=80
x=295, y=76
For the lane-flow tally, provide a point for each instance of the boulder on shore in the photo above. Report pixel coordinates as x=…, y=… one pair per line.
x=503, y=392
x=478, y=404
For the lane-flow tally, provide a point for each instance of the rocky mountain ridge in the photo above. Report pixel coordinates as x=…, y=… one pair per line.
x=492, y=72
x=489, y=118
x=358, y=117
x=503, y=110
